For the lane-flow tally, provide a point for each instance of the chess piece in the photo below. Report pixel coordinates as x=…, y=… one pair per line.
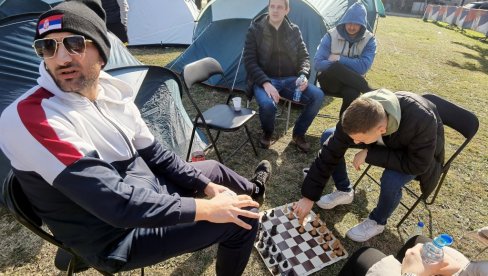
x=271, y=214
x=339, y=252
x=322, y=228
x=285, y=209
x=261, y=244
x=333, y=255
x=328, y=236
x=271, y=260
x=325, y=246
x=274, y=249
x=285, y=264
x=265, y=234
x=316, y=221
x=279, y=257
x=320, y=239
x=264, y=217
x=291, y=215
x=301, y=230
x=270, y=241
x=265, y=252
x=291, y=272
x=274, y=230
x=336, y=244
x=314, y=231
x=275, y=270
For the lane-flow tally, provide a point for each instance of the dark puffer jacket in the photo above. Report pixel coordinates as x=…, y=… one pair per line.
x=258, y=47
x=416, y=148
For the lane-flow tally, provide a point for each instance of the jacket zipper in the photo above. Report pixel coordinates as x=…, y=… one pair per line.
x=126, y=139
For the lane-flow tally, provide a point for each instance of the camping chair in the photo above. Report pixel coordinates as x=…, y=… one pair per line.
x=220, y=117
x=455, y=117
x=21, y=209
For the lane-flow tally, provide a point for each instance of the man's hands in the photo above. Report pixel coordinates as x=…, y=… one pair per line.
x=304, y=84
x=213, y=189
x=412, y=262
x=225, y=207
x=334, y=57
x=271, y=91
x=359, y=159
x=302, y=208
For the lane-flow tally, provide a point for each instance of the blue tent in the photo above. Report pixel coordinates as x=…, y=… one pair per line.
x=223, y=24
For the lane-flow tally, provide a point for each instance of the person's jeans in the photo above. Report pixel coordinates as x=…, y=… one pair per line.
x=391, y=183
x=312, y=97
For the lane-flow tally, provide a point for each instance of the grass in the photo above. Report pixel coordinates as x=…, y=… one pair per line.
x=412, y=55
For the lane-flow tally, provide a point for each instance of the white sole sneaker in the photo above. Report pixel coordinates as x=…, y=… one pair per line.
x=335, y=198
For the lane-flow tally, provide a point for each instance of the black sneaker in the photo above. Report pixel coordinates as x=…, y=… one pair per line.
x=260, y=177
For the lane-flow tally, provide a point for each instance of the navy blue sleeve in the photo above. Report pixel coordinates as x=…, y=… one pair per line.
x=97, y=187
x=166, y=163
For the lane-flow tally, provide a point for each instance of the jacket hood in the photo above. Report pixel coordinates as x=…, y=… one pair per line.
x=109, y=88
x=390, y=103
x=354, y=14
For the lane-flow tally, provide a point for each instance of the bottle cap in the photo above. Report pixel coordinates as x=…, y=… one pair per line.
x=443, y=240
x=420, y=224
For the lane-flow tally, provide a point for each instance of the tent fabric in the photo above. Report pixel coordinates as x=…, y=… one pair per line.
x=159, y=100
x=19, y=64
x=222, y=26
x=16, y=7
x=161, y=22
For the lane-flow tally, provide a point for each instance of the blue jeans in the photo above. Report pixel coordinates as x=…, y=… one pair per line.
x=312, y=97
x=391, y=183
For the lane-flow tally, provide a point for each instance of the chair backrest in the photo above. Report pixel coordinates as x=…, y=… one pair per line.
x=201, y=70
x=458, y=118
x=19, y=206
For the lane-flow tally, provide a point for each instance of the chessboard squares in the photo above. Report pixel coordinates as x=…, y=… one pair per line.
x=308, y=265
x=287, y=253
x=296, y=250
x=316, y=261
x=312, y=243
x=293, y=232
x=293, y=261
x=287, y=225
x=324, y=258
x=304, y=246
x=285, y=235
x=310, y=253
x=298, y=239
x=282, y=245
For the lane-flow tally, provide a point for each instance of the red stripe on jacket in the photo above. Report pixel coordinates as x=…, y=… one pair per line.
x=34, y=119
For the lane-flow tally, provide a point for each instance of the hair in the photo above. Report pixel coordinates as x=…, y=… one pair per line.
x=287, y=3
x=362, y=115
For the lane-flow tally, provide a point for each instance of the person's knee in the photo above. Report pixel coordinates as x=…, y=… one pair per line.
x=326, y=134
x=268, y=107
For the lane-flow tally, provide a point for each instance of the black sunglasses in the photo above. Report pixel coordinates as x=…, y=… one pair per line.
x=47, y=47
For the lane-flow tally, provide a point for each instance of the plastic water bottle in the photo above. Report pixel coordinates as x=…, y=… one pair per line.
x=297, y=95
x=433, y=252
x=418, y=230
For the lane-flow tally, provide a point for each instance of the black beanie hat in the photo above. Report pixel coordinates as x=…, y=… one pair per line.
x=83, y=17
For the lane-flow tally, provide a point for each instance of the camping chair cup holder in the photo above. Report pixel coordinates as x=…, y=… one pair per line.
x=453, y=116
x=220, y=117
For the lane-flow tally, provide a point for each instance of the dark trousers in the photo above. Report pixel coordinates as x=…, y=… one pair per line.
x=152, y=245
x=119, y=30
x=340, y=81
x=365, y=257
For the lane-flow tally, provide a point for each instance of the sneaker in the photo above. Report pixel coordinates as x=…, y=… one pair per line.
x=265, y=141
x=260, y=177
x=335, y=198
x=365, y=230
x=301, y=143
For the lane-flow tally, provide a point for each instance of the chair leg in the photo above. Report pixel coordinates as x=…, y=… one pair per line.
x=287, y=116
x=191, y=143
x=361, y=177
x=409, y=211
x=250, y=140
x=214, y=144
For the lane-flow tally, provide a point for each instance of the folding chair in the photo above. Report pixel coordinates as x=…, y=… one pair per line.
x=220, y=117
x=455, y=117
x=19, y=206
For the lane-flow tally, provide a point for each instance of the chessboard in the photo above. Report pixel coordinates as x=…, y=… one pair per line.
x=287, y=248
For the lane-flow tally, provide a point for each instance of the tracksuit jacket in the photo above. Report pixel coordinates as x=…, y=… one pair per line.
x=93, y=170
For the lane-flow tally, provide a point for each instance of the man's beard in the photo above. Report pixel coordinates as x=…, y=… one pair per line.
x=81, y=83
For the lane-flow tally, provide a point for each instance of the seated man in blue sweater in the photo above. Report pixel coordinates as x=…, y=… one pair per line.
x=95, y=174
x=344, y=56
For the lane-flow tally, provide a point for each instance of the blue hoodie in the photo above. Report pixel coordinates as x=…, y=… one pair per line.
x=360, y=64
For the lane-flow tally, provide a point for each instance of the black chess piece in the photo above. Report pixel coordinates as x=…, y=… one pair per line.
x=274, y=230
x=269, y=241
x=279, y=257
x=285, y=264
x=261, y=244
x=264, y=217
x=271, y=260
x=273, y=248
x=291, y=272
x=265, y=234
x=265, y=252
x=271, y=214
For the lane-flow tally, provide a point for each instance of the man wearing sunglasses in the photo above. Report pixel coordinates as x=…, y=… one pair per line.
x=95, y=174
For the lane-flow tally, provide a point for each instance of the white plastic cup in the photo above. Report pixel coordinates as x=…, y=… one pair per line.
x=237, y=103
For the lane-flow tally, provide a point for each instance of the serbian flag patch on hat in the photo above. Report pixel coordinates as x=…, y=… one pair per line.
x=53, y=22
